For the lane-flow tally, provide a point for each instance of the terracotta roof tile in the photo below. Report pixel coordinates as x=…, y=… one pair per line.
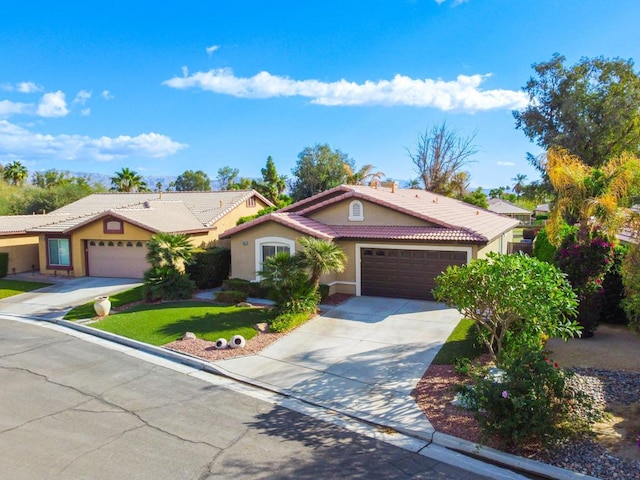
x=404, y=233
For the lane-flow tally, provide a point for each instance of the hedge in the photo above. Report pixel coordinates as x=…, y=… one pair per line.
x=231, y=297
x=288, y=321
x=252, y=289
x=4, y=264
x=210, y=267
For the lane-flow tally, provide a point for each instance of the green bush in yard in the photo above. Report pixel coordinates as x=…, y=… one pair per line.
x=231, y=297
x=4, y=264
x=288, y=321
x=166, y=283
x=252, y=289
x=210, y=267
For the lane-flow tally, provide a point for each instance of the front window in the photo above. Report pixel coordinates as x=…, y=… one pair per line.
x=59, y=252
x=268, y=246
x=271, y=250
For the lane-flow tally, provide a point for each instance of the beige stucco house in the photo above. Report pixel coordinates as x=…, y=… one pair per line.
x=497, y=205
x=396, y=240
x=21, y=246
x=105, y=234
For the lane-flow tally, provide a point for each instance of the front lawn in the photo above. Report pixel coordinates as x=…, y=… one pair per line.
x=118, y=300
x=462, y=342
x=8, y=288
x=159, y=324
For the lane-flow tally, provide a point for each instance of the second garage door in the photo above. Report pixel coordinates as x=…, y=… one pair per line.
x=124, y=258
x=404, y=273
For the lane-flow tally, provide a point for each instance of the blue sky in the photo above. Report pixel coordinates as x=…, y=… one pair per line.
x=166, y=87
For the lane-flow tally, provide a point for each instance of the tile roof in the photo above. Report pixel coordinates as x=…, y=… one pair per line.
x=18, y=224
x=454, y=220
x=168, y=212
x=498, y=205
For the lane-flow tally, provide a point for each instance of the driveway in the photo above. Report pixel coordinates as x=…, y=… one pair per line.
x=56, y=300
x=363, y=358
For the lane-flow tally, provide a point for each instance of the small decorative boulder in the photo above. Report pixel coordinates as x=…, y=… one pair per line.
x=237, y=341
x=244, y=304
x=189, y=336
x=221, y=344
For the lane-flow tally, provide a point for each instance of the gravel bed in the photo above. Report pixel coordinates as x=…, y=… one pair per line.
x=435, y=391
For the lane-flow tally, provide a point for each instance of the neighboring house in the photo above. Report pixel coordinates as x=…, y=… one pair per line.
x=497, y=205
x=105, y=234
x=21, y=246
x=542, y=209
x=396, y=240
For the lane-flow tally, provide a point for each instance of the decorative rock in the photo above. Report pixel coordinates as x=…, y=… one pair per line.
x=237, y=341
x=262, y=327
x=221, y=344
x=189, y=336
x=244, y=304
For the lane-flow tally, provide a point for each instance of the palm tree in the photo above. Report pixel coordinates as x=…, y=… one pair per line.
x=364, y=176
x=15, y=173
x=320, y=257
x=126, y=180
x=589, y=196
x=517, y=187
x=169, y=250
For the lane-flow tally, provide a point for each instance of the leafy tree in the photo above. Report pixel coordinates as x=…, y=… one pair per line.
x=190, y=181
x=513, y=299
x=519, y=185
x=272, y=184
x=168, y=255
x=591, y=109
x=226, y=177
x=363, y=176
x=126, y=180
x=589, y=196
x=15, y=173
x=243, y=183
x=496, y=192
x=318, y=169
x=289, y=284
x=51, y=178
x=477, y=198
x=440, y=154
x=320, y=257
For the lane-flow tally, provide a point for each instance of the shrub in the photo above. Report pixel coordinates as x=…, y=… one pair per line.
x=252, y=289
x=532, y=402
x=288, y=321
x=231, y=297
x=166, y=283
x=323, y=290
x=4, y=264
x=209, y=268
x=542, y=247
x=613, y=288
x=259, y=213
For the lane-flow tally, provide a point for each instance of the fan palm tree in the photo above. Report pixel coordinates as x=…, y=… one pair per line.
x=518, y=186
x=364, y=176
x=126, y=180
x=588, y=196
x=15, y=173
x=320, y=257
x=169, y=250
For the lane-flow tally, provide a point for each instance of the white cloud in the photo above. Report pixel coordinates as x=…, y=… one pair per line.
x=506, y=164
x=85, y=112
x=82, y=97
x=455, y=2
x=8, y=108
x=212, y=49
x=106, y=94
x=28, y=87
x=19, y=142
x=462, y=94
x=52, y=104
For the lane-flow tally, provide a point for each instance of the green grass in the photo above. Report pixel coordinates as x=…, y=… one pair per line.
x=158, y=324
x=9, y=288
x=118, y=300
x=461, y=343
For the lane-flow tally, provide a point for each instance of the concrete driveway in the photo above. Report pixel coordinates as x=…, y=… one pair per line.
x=56, y=300
x=363, y=358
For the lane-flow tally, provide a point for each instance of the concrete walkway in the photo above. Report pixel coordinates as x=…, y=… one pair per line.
x=56, y=300
x=363, y=358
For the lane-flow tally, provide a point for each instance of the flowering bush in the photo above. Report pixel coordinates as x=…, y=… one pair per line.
x=586, y=265
x=532, y=402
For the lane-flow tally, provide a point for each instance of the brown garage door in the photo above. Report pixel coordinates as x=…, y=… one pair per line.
x=125, y=258
x=404, y=273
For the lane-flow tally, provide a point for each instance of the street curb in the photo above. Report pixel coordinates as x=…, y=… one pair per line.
x=497, y=457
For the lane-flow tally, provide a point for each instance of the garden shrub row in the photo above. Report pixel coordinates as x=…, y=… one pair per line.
x=231, y=297
x=210, y=267
x=288, y=321
x=252, y=289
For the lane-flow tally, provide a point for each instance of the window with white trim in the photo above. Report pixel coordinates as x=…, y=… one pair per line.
x=268, y=246
x=356, y=211
x=59, y=252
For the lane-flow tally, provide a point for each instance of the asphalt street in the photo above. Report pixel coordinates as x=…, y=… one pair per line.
x=72, y=409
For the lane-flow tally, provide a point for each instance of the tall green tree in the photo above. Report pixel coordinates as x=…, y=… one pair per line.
x=364, y=175
x=519, y=185
x=591, y=109
x=320, y=257
x=226, y=177
x=319, y=168
x=440, y=155
x=589, y=196
x=193, y=181
x=272, y=184
x=15, y=173
x=170, y=250
x=126, y=180
x=51, y=178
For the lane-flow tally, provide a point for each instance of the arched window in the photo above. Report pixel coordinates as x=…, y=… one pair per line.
x=356, y=211
x=269, y=246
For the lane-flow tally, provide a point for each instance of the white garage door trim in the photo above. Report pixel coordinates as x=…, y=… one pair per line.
x=116, y=258
x=360, y=246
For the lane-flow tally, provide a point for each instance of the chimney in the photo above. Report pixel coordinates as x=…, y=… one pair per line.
x=390, y=184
